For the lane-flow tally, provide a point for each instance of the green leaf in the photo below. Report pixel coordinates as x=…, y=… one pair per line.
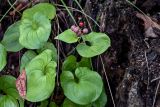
x=101, y=101
x=52, y=104
x=8, y=87
x=68, y=103
x=85, y=62
x=41, y=73
x=83, y=87
x=98, y=43
x=8, y=101
x=21, y=102
x=49, y=45
x=68, y=36
x=70, y=63
x=11, y=38
x=44, y=8
x=44, y=103
x=34, y=32
x=3, y=55
x=26, y=58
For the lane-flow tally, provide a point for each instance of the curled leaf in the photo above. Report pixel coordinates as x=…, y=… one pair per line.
x=11, y=38
x=26, y=58
x=70, y=63
x=83, y=87
x=68, y=36
x=8, y=87
x=44, y=8
x=34, y=32
x=49, y=45
x=41, y=73
x=97, y=44
x=151, y=26
x=21, y=84
x=3, y=55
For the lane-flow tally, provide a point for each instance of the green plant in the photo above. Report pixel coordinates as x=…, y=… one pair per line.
x=10, y=96
x=38, y=66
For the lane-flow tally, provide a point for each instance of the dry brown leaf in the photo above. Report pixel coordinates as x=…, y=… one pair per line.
x=149, y=25
x=21, y=84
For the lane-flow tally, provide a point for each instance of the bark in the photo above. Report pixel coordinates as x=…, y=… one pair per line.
x=132, y=62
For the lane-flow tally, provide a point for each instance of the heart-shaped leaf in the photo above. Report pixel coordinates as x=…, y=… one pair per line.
x=8, y=101
x=70, y=63
x=26, y=58
x=68, y=103
x=8, y=87
x=41, y=73
x=34, y=32
x=83, y=87
x=45, y=8
x=49, y=45
x=52, y=104
x=68, y=36
x=11, y=38
x=101, y=101
x=3, y=55
x=95, y=44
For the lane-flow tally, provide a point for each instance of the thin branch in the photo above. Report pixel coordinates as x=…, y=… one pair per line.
x=107, y=82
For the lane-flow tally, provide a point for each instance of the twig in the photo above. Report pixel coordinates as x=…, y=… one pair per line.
x=74, y=9
x=155, y=79
x=147, y=69
x=8, y=11
x=155, y=96
x=107, y=82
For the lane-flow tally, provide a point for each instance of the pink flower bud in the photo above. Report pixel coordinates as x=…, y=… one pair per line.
x=85, y=30
x=79, y=33
x=72, y=27
x=76, y=29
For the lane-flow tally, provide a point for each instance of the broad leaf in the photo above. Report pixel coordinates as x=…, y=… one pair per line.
x=26, y=58
x=101, y=101
x=83, y=87
x=11, y=38
x=11, y=97
x=8, y=101
x=3, y=55
x=52, y=104
x=45, y=8
x=68, y=103
x=68, y=36
x=97, y=44
x=70, y=63
x=49, y=45
x=34, y=32
x=8, y=86
x=44, y=103
x=41, y=73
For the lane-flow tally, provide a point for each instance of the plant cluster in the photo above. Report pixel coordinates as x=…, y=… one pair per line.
x=82, y=86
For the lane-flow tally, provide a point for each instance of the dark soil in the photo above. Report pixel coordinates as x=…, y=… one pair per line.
x=132, y=63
